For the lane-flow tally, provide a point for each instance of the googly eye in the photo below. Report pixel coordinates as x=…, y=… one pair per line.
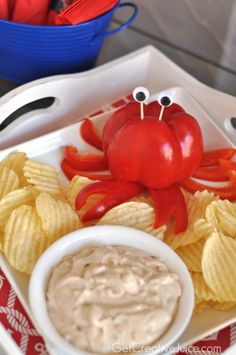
x=165, y=101
x=141, y=94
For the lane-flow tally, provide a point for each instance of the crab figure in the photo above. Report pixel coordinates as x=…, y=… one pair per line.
x=152, y=148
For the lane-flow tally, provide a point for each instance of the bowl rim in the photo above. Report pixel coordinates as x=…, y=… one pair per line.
x=90, y=236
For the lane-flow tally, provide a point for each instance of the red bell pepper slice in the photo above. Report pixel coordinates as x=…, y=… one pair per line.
x=68, y=171
x=227, y=192
x=212, y=173
x=71, y=172
x=90, y=134
x=232, y=178
x=88, y=162
x=229, y=167
x=170, y=202
x=212, y=157
x=116, y=192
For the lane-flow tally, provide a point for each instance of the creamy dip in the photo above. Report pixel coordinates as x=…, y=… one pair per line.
x=112, y=295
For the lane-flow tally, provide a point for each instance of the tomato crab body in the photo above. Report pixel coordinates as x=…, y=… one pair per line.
x=118, y=119
x=155, y=153
x=189, y=135
x=149, y=154
x=151, y=158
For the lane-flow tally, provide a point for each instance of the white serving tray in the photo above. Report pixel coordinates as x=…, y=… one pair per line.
x=49, y=149
x=77, y=95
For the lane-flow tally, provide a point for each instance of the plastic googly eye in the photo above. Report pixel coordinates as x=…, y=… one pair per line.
x=141, y=94
x=165, y=101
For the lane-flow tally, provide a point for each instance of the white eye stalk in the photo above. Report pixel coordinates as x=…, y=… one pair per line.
x=141, y=95
x=164, y=101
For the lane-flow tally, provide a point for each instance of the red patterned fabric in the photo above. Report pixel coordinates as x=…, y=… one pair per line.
x=15, y=320
x=17, y=323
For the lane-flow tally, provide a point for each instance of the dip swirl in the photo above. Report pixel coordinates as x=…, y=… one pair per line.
x=112, y=295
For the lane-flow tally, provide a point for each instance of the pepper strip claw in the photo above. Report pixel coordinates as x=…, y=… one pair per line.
x=170, y=202
x=90, y=134
x=116, y=192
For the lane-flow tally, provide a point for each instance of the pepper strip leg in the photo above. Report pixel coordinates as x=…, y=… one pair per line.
x=170, y=202
x=71, y=172
x=87, y=162
x=90, y=134
x=116, y=192
x=214, y=173
x=211, y=157
x=228, y=192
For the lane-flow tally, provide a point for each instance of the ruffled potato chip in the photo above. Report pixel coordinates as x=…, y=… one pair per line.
x=75, y=186
x=58, y=218
x=200, y=307
x=218, y=266
x=192, y=255
x=24, y=239
x=43, y=178
x=9, y=181
x=1, y=242
x=222, y=214
x=203, y=228
x=222, y=306
x=145, y=198
x=16, y=162
x=201, y=289
x=13, y=200
x=138, y=215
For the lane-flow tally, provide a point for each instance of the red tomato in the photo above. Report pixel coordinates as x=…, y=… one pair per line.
x=156, y=153
x=129, y=111
x=145, y=151
x=189, y=135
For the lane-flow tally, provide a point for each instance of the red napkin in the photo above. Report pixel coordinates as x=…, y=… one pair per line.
x=84, y=10
x=51, y=18
x=33, y=12
x=11, y=5
x=4, y=10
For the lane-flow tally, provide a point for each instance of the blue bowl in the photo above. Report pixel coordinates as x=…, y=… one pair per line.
x=30, y=52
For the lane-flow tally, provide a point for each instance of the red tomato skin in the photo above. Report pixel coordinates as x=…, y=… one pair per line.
x=188, y=132
x=119, y=118
x=145, y=151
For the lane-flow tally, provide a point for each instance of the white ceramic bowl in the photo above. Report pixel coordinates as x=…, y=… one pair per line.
x=106, y=235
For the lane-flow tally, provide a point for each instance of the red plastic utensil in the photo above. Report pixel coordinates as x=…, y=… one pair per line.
x=84, y=10
x=31, y=12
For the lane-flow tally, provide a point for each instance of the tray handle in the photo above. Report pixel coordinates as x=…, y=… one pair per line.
x=63, y=111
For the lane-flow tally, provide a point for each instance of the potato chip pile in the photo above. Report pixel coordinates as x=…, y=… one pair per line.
x=208, y=249
x=33, y=210
x=36, y=210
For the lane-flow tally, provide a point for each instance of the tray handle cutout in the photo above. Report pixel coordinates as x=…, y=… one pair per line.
x=30, y=107
x=21, y=121
x=230, y=125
